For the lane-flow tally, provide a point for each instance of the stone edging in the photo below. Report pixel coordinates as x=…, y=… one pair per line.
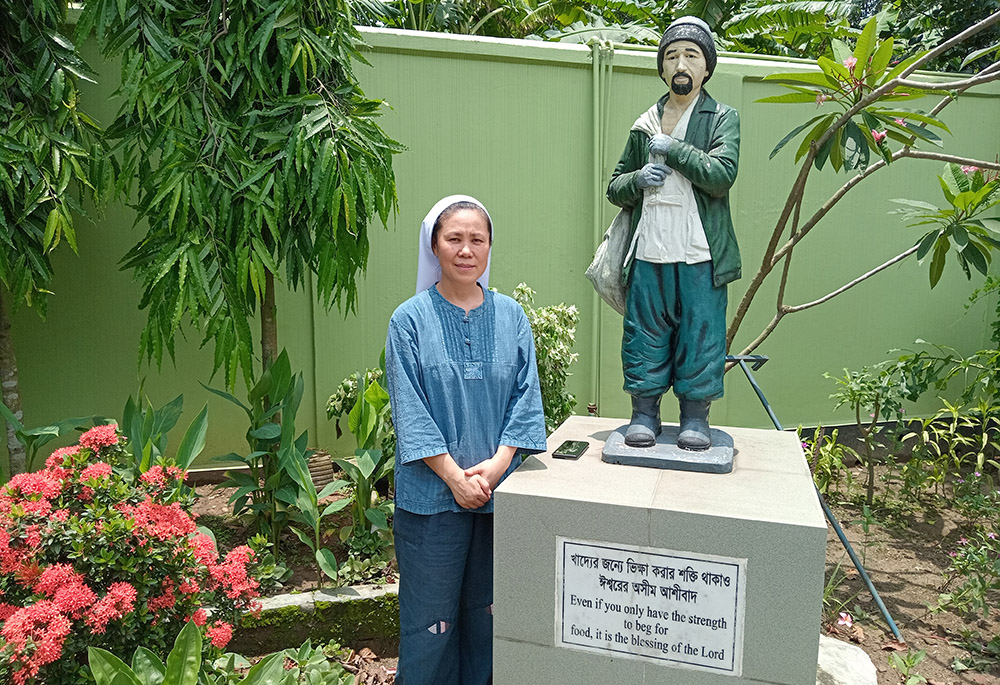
x=355, y=616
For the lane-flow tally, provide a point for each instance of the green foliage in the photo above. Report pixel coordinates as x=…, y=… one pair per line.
x=907, y=664
x=146, y=429
x=306, y=503
x=554, y=331
x=363, y=566
x=273, y=403
x=34, y=439
x=975, y=572
x=845, y=81
x=255, y=152
x=829, y=461
x=123, y=563
x=922, y=24
x=791, y=28
x=182, y=668
x=367, y=421
x=983, y=654
x=970, y=193
x=307, y=665
x=869, y=391
x=366, y=405
x=624, y=21
x=48, y=145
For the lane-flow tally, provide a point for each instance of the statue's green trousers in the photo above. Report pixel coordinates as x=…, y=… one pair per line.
x=675, y=331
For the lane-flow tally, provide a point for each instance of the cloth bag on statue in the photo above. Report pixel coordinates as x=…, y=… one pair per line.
x=605, y=272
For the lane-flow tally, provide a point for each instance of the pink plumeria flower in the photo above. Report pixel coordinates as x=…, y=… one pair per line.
x=901, y=122
x=878, y=136
x=969, y=169
x=850, y=63
x=821, y=98
x=845, y=620
x=963, y=541
x=991, y=535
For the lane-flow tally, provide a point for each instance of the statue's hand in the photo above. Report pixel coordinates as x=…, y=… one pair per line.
x=659, y=144
x=652, y=175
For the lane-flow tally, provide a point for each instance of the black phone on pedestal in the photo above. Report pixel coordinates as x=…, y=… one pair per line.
x=570, y=449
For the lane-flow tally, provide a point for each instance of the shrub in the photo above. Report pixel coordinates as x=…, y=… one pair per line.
x=554, y=330
x=94, y=554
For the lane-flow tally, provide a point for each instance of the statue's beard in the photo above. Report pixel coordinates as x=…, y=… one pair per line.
x=682, y=84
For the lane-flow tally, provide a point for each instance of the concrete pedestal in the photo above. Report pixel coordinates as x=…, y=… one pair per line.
x=571, y=536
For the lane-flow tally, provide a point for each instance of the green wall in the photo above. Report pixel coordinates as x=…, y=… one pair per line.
x=513, y=123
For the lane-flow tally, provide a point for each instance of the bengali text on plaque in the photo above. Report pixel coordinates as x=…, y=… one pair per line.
x=682, y=608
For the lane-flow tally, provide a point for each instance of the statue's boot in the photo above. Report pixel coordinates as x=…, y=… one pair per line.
x=694, y=432
x=645, y=424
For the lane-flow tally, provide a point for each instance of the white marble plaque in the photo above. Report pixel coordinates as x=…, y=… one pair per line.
x=660, y=605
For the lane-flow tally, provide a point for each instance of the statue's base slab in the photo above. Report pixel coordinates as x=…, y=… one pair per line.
x=665, y=454
x=560, y=525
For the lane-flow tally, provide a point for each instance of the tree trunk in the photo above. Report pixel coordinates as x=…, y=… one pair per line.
x=268, y=323
x=11, y=392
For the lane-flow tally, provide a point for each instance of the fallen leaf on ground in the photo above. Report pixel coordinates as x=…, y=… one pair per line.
x=857, y=634
x=895, y=646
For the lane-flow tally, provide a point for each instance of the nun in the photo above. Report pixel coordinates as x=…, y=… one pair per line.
x=466, y=406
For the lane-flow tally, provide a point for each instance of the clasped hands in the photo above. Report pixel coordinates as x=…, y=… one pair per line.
x=655, y=174
x=473, y=487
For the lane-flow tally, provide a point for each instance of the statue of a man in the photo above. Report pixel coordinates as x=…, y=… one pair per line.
x=674, y=176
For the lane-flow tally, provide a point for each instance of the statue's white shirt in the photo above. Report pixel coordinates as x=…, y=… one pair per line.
x=670, y=228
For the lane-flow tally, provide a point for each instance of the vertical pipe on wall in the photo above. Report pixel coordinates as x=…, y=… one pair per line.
x=602, y=59
x=595, y=319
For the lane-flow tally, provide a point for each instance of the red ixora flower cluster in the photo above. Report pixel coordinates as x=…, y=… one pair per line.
x=93, y=555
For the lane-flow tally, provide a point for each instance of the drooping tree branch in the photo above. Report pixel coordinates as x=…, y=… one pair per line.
x=783, y=310
x=847, y=286
x=977, y=80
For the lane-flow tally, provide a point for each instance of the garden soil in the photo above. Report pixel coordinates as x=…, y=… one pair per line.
x=906, y=556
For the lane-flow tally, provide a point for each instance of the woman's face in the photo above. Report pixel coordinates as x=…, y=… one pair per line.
x=463, y=247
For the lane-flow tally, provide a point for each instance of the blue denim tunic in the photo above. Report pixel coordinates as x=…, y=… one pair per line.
x=459, y=383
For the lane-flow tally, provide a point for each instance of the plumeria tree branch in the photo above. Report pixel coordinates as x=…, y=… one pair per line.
x=847, y=286
x=977, y=80
x=843, y=190
x=775, y=251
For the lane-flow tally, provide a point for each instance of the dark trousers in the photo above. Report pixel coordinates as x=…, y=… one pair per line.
x=445, y=598
x=675, y=331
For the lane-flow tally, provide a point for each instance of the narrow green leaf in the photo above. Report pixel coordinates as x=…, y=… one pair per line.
x=51, y=230
x=864, y=46
x=184, y=660
x=975, y=257
x=193, y=441
x=811, y=78
x=937, y=262
x=881, y=59
x=790, y=97
x=306, y=540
